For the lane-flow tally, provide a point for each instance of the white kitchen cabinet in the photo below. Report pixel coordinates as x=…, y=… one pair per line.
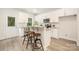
x=70, y=11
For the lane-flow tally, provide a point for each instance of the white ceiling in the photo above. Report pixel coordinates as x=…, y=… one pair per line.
x=37, y=11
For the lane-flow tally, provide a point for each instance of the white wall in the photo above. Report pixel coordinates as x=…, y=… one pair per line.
x=22, y=22
x=23, y=17
x=5, y=31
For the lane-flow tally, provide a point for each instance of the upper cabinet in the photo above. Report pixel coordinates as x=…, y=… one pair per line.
x=70, y=11
x=54, y=15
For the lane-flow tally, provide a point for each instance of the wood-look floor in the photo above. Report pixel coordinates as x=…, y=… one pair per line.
x=62, y=45
x=15, y=44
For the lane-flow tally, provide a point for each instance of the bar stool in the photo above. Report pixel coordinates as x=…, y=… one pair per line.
x=31, y=38
x=37, y=43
